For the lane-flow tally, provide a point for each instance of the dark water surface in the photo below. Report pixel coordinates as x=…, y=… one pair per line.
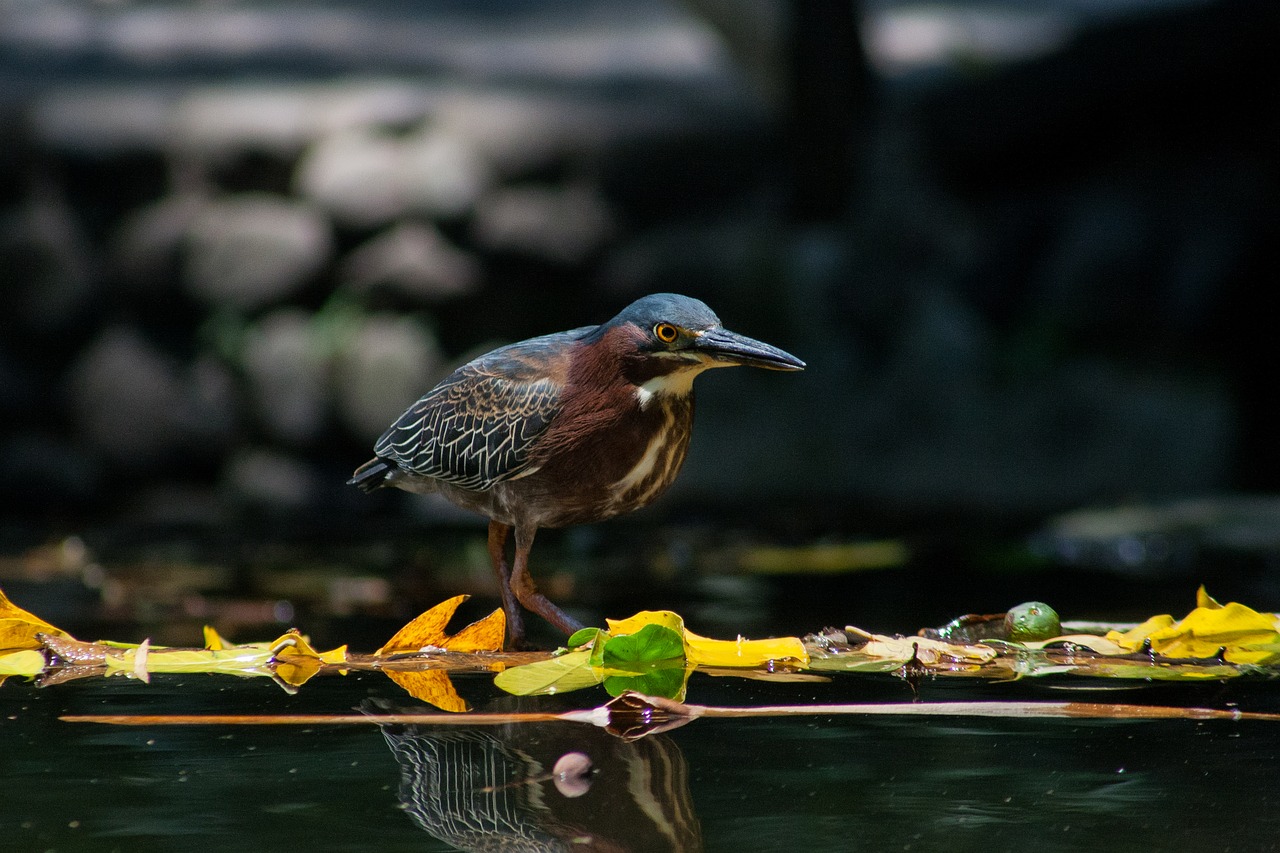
x=809, y=783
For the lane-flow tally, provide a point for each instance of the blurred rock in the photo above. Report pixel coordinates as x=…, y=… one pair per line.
x=440, y=174
x=366, y=177
x=286, y=364
x=223, y=121
x=353, y=176
x=1160, y=538
x=386, y=364
x=47, y=266
x=141, y=409
x=252, y=250
x=103, y=120
x=520, y=134
x=146, y=248
x=414, y=261
x=268, y=480
x=564, y=225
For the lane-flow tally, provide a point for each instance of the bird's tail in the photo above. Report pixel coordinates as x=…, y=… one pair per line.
x=370, y=475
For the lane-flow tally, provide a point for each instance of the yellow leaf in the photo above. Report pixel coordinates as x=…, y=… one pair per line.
x=23, y=662
x=1204, y=599
x=741, y=652
x=1205, y=631
x=428, y=630
x=631, y=625
x=1240, y=633
x=430, y=685
x=213, y=640
x=483, y=635
x=18, y=628
x=1137, y=635
x=707, y=652
x=293, y=659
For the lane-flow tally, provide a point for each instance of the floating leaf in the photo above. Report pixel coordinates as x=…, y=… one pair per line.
x=27, y=662
x=650, y=661
x=1234, y=632
x=19, y=629
x=651, y=644
x=571, y=671
x=704, y=651
x=583, y=636
x=427, y=631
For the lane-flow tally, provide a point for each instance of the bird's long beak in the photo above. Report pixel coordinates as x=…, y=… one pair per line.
x=731, y=348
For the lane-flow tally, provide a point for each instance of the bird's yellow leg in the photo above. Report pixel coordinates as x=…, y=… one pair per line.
x=510, y=607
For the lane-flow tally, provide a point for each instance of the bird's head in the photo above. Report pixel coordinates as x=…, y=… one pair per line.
x=676, y=337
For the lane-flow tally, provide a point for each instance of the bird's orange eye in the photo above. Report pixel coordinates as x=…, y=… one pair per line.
x=665, y=332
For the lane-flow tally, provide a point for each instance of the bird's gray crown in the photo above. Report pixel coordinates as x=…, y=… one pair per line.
x=683, y=311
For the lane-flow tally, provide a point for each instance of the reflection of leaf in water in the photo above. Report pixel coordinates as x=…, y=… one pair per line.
x=432, y=686
x=668, y=681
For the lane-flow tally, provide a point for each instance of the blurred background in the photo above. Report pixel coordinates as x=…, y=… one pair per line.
x=1024, y=247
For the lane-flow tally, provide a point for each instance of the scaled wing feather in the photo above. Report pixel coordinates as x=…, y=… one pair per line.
x=478, y=426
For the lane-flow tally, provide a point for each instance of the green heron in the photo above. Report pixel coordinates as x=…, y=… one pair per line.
x=569, y=428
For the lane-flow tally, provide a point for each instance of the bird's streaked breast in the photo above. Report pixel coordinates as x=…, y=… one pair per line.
x=661, y=460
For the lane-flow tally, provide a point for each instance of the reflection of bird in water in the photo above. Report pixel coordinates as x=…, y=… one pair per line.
x=499, y=790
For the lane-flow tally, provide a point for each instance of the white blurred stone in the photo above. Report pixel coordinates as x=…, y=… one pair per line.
x=254, y=249
x=517, y=134
x=383, y=366
x=283, y=119
x=366, y=177
x=354, y=176
x=565, y=225
x=440, y=175
x=414, y=260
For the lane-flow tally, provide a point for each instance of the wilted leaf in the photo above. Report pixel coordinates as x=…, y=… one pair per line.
x=1237, y=633
x=427, y=630
x=23, y=662
x=571, y=671
x=18, y=628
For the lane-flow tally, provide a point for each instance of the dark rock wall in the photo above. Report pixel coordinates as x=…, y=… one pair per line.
x=229, y=256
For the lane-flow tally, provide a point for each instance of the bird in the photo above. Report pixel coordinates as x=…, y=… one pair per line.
x=568, y=428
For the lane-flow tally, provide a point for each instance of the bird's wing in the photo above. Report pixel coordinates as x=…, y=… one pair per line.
x=478, y=426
